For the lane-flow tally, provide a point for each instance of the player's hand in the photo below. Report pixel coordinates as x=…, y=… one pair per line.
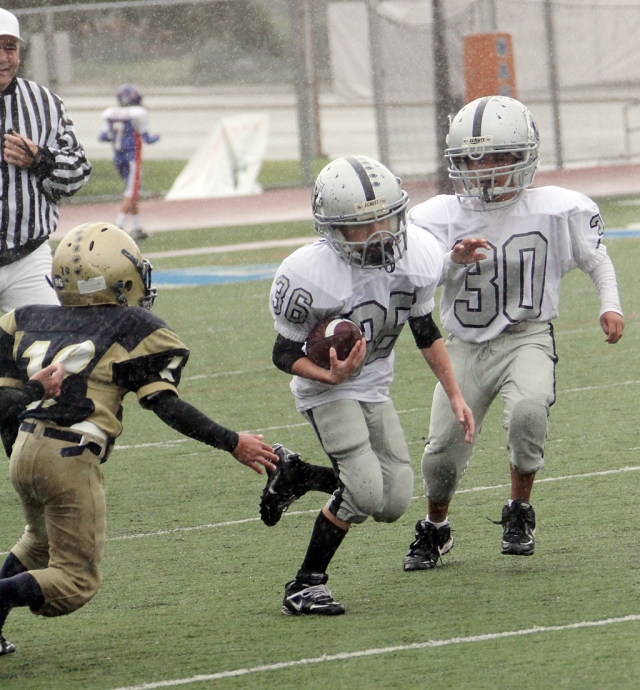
x=464, y=415
x=612, y=324
x=466, y=251
x=254, y=453
x=19, y=150
x=341, y=370
x=51, y=378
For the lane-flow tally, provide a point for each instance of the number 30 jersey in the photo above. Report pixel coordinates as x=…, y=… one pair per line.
x=534, y=243
x=107, y=351
x=314, y=283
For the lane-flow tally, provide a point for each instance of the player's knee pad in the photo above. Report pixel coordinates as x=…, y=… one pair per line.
x=66, y=592
x=397, y=496
x=443, y=470
x=367, y=499
x=355, y=506
x=527, y=435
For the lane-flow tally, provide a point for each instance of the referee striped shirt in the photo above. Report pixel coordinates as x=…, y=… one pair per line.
x=28, y=196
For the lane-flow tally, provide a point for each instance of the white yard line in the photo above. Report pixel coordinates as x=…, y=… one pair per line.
x=293, y=513
x=429, y=644
x=225, y=248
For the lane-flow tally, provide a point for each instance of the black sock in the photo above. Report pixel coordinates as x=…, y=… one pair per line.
x=319, y=478
x=11, y=566
x=325, y=540
x=19, y=590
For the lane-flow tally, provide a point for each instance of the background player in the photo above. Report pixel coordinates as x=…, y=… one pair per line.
x=369, y=269
x=108, y=346
x=517, y=243
x=125, y=126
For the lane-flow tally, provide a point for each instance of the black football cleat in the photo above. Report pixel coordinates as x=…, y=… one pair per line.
x=283, y=486
x=312, y=598
x=430, y=543
x=6, y=647
x=518, y=529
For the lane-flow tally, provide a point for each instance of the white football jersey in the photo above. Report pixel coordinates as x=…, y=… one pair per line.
x=314, y=283
x=137, y=115
x=534, y=243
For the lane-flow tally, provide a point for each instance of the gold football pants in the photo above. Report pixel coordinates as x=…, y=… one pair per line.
x=65, y=512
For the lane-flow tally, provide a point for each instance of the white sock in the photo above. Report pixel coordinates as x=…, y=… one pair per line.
x=437, y=525
x=136, y=222
x=121, y=220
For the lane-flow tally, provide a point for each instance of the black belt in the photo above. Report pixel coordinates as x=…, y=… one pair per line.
x=69, y=437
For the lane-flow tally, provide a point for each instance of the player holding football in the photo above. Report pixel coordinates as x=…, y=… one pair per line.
x=109, y=343
x=125, y=126
x=370, y=269
x=517, y=244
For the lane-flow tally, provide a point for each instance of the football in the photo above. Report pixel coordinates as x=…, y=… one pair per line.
x=338, y=333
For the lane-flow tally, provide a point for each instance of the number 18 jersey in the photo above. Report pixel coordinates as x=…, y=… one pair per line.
x=534, y=243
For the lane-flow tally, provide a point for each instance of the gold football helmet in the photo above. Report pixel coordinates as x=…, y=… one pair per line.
x=97, y=263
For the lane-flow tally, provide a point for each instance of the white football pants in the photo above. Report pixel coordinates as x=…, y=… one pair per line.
x=24, y=281
x=367, y=445
x=520, y=367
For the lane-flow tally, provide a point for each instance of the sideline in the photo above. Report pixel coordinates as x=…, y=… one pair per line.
x=429, y=644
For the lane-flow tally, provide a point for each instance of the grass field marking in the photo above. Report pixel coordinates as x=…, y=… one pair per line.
x=225, y=373
x=228, y=523
x=292, y=513
x=604, y=385
x=550, y=479
x=344, y=656
x=225, y=248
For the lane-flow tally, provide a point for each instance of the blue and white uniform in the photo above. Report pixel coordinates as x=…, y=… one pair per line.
x=126, y=128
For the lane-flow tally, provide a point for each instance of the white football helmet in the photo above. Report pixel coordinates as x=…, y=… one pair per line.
x=492, y=125
x=98, y=263
x=357, y=191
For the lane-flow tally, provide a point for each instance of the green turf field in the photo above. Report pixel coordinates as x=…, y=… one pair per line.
x=193, y=581
x=159, y=175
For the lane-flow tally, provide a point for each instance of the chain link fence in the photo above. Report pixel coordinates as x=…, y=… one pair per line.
x=254, y=48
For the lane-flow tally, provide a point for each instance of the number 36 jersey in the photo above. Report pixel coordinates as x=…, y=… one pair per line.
x=314, y=283
x=534, y=243
x=107, y=351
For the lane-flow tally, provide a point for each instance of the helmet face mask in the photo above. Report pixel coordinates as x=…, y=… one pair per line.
x=379, y=246
x=492, y=152
x=128, y=94
x=354, y=193
x=98, y=263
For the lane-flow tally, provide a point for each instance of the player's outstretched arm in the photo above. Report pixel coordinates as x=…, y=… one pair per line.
x=438, y=360
x=188, y=420
x=254, y=453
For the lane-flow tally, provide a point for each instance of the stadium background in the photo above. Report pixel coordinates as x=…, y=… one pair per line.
x=192, y=579
x=199, y=60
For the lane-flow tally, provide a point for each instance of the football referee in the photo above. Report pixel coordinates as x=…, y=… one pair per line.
x=41, y=162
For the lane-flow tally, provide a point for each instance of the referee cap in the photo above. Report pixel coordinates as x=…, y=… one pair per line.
x=9, y=25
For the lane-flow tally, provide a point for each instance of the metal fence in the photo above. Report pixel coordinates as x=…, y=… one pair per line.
x=580, y=100
x=254, y=50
